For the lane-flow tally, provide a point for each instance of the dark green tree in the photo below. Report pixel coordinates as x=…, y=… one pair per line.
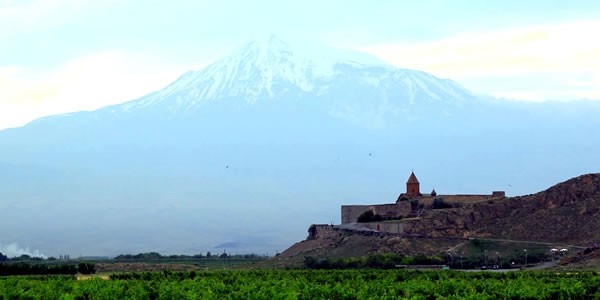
x=369, y=216
x=86, y=268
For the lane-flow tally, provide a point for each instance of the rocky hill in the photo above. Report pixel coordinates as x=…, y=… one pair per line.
x=566, y=214
x=587, y=259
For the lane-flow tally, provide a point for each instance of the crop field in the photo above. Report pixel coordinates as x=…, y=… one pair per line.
x=307, y=284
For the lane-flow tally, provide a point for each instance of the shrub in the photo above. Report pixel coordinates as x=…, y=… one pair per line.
x=21, y=268
x=416, y=204
x=86, y=268
x=439, y=203
x=369, y=216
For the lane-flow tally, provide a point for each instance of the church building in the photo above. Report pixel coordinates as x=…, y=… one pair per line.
x=402, y=207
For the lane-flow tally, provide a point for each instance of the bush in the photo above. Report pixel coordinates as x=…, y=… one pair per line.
x=86, y=268
x=416, y=204
x=21, y=268
x=439, y=203
x=369, y=216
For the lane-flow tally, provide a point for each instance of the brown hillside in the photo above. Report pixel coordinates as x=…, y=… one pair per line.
x=583, y=260
x=567, y=214
x=348, y=244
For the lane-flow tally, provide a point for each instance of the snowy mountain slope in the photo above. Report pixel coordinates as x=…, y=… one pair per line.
x=273, y=69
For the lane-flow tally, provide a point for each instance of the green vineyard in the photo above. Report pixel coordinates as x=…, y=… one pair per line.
x=308, y=284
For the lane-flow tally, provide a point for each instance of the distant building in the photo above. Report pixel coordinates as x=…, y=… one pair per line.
x=403, y=207
x=412, y=186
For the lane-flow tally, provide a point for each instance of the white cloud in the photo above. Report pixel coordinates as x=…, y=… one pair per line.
x=81, y=84
x=18, y=17
x=519, y=95
x=561, y=50
x=24, y=16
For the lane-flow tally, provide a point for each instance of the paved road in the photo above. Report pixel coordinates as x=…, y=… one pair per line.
x=545, y=265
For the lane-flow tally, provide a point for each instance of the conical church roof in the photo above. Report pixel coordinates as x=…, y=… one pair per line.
x=412, y=178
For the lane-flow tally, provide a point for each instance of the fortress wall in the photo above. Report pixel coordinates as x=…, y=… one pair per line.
x=465, y=198
x=389, y=227
x=320, y=231
x=428, y=200
x=350, y=213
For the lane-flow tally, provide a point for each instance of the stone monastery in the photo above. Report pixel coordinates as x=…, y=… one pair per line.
x=410, y=201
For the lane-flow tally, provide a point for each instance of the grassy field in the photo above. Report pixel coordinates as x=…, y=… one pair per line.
x=173, y=264
x=307, y=284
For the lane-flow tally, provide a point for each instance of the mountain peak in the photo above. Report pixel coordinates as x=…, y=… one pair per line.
x=268, y=43
x=270, y=67
x=309, y=50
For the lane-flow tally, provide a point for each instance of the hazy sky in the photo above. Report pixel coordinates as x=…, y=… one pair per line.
x=66, y=55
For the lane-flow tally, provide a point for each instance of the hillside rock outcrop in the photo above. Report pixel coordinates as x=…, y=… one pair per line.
x=567, y=212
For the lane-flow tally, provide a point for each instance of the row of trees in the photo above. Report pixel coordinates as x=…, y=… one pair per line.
x=23, y=257
x=144, y=256
x=376, y=261
x=21, y=268
x=209, y=255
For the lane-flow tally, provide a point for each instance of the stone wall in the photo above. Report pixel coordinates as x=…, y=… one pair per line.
x=389, y=227
x=321, y=231
x=350, y=213
x=465, y=198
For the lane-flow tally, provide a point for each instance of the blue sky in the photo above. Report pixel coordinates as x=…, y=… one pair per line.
x=65, y=55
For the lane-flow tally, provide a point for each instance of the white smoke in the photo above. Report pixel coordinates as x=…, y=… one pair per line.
x=13, y=250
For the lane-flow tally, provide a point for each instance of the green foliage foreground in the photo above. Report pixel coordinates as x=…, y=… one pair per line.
x=309, y=284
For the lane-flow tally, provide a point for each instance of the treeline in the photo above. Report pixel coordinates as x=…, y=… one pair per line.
x=143, y=256
x=376, y=261
x=23, y=257
x=158, y=256
x=21, y=268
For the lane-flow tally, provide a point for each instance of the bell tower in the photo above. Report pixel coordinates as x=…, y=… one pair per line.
x=412, y=186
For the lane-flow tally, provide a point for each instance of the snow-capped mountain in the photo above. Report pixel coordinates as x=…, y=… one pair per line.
x=272, y=69
x=258, y=145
